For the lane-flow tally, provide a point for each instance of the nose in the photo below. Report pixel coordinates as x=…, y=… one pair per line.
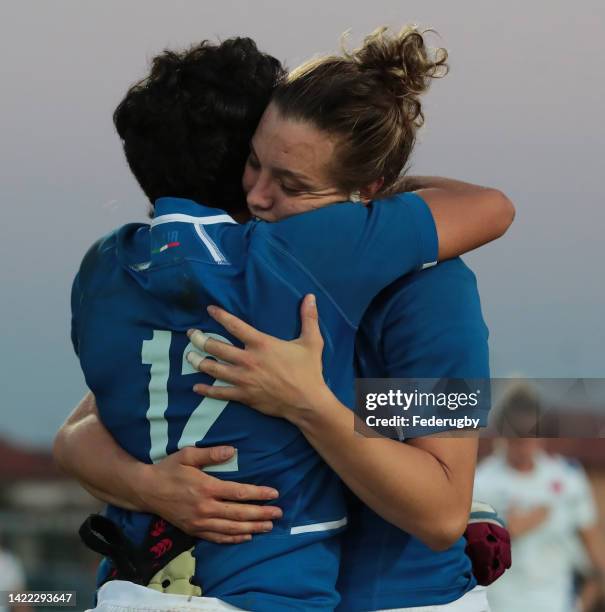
x=259, y=196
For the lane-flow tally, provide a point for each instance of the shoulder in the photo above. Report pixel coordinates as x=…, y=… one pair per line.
x=559, y=463
x=569, y=468
x=454, y=269
x=105, y=251
x=445, y=295
x=570, y=463
x=103, y=246
x=340, y=213
x=453, y=280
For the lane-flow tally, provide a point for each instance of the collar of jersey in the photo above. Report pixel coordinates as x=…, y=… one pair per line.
x=187, y=211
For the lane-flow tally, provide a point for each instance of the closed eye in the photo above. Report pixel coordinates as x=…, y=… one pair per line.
x=290, y=190
x=253, y=162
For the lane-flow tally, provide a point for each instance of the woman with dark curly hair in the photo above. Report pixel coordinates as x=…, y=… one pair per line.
x=337, y=129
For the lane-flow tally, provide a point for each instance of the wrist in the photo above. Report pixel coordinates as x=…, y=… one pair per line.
x=140, y=481
x=313, y=408
x=413, y=183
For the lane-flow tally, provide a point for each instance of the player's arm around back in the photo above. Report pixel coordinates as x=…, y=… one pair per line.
x=175, y=488
x=466, y=216
x=84, y=449
x=371, y=246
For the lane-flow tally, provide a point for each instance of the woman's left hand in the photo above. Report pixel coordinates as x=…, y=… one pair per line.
x=278, y=378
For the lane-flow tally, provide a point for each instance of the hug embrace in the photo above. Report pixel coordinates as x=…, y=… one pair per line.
x=288, y=252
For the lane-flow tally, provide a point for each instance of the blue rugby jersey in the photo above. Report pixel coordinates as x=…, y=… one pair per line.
x=140, y=288
x=426, y=325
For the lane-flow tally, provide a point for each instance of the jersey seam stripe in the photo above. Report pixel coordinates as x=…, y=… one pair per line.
x=290, y=256
x=181, y=218
x=314, y=527
x=213, y=249
x=326, y=332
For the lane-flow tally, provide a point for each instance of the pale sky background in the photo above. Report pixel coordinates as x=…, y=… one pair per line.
x=522, y=110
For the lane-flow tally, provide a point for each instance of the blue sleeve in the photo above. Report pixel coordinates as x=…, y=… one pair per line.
x=429, y=325
x=433, y=325
x=83, y=280
x=354, y=251
x=76, y=298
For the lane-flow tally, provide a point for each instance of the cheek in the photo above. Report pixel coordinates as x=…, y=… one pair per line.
x=286, y=207
x=248, y=178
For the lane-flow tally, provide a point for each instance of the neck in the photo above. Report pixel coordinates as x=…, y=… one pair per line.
x=522, y=464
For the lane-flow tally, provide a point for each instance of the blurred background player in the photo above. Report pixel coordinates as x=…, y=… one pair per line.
x=12, y=578
x=548, y=506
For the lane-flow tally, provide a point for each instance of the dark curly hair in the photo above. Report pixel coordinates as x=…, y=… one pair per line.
x=186, y=128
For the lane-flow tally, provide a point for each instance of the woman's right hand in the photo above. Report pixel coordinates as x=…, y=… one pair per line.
x=201, y=505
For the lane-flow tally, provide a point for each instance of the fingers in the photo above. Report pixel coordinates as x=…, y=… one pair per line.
x=243, y=513
x=310, y=321
x=201, y=457
x=235, y=528
x=236, y=327
x=221, y=371
x=217, y=348
x=228, y=394
x=236, y=491
x=220, y=538
x=308, y=309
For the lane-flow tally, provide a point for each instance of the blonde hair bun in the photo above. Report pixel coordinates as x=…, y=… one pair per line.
x=405, y=62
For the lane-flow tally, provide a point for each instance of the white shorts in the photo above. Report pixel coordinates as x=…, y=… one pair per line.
x=473, y=601
x=122, y=596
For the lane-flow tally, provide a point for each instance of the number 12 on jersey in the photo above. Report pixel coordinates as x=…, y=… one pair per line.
x=156, y=353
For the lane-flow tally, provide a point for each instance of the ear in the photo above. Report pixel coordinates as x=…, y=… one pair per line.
x=368, y=192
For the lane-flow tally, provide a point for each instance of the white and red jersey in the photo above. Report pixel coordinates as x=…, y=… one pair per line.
x=543, y=559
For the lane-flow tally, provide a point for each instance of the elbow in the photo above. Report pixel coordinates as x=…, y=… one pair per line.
x=504, y=211
x=445, y=533
x=59, y=450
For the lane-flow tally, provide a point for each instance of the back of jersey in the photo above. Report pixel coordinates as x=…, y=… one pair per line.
x=137, y=293
x=140, y=289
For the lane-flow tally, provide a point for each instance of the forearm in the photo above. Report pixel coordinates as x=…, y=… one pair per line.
x=520, y=523
x=415, y=183
x=594, y=545
x=407, y=486
x=590, y=595
x=466, y=215
x=84, y=449
x=519, y=526
x=106, y=496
